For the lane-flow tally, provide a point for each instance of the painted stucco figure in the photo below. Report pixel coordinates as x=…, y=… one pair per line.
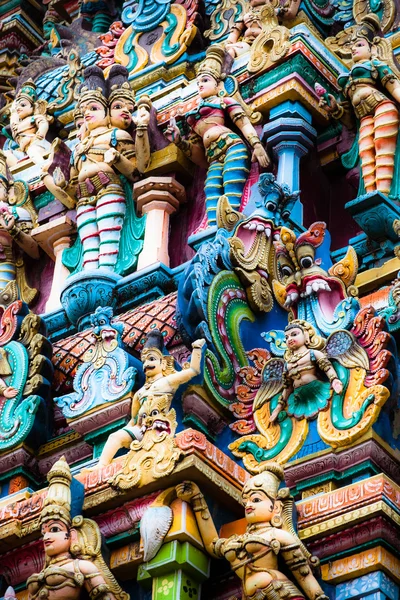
x=102, y=164
x=108, y=372
x=29, y=124
x=162, y=380
x=73, y=561
x=213, y=144
x=17, y=218
x=372, y=88
x=269, y=536
x=303, y=391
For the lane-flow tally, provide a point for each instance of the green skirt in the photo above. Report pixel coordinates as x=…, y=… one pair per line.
x=309, y=399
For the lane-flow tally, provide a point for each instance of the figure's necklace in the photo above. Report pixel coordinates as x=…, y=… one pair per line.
x=296, y=357
x=60, y=560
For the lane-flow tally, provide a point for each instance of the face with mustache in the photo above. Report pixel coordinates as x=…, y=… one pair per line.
x=152, y=362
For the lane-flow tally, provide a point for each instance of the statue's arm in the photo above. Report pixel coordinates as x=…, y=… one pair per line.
x=190, y=493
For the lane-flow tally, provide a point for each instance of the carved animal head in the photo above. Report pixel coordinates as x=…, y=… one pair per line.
x=154, y=415
x=300, y=275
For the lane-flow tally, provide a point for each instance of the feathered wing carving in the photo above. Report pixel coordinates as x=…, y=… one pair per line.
x=154, y=526
x=343, y=347
x=272, y=382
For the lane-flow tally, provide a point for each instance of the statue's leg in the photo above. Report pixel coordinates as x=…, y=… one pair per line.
x=235, y=173
x=214, y=190
x=367, y=153
x=111, y=209
x=386, y=131
x=116, y=441
x=89, y=235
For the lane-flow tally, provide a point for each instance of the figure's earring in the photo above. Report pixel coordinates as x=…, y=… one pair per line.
x=221, y=93
x=276, y=521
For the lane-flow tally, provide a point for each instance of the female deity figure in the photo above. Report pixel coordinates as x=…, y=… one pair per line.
x=29, y=125
x=73, y=560
x=373, y=90
x=101, y=162
x=269, y=536
x=213, y=143
x=304, y=357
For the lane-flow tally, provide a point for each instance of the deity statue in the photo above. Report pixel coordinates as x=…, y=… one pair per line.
x=73, y=560
x=213, y=144
x=29, y=124
x=104, y=162
x=162, y=381
x=304, y=358
x=17, y=218
x=372, y=88
x=269, y=536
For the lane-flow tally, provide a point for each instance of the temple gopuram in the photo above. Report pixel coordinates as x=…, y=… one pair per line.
x=199, y=299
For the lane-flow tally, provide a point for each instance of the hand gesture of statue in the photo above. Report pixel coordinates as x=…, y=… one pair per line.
x=187, y=490
x=172, y=132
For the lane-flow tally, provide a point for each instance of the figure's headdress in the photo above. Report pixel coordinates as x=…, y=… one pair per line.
x=212, y=64
x=78, y=114
x=57, y=504
x=268, y=481
x=5, y=176
x=118, y=85
x=314, y=341
x=28, y=90
x=368, y=28
x=94, y=86
x=154, y=341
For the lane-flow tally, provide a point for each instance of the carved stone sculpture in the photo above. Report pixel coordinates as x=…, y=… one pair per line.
x=269, y=537
x=104, y=161
x=108, y=373
x=17, y=218
x=29, y=123
x=372, y=89
x=73, y=564
x=162, y=381
x=212, y=143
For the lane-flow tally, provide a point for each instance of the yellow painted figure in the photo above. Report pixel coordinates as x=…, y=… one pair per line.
x=162, y=380
x=68, y=544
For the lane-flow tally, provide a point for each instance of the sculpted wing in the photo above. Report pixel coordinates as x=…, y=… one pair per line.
x=343, y=347
x=154, y=526
x=272, y=382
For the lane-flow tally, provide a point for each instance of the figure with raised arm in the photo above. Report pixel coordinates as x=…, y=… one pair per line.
x=162, y=380
x=270, y=536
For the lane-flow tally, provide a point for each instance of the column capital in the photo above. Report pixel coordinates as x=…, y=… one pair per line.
x=50, y=233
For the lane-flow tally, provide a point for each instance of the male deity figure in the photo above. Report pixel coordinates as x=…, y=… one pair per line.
x=162, y=379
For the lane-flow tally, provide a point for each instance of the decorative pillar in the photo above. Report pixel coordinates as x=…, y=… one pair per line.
x=290, y=135
x=54, y=237
x=158, y=198
x=176, y=572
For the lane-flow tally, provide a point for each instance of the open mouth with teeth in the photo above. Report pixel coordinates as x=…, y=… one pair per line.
x=161, y=426
x=329, y=291
x=248, y=231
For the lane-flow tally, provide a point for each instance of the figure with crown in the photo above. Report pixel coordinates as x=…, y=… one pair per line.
x=17, y=218
x=103, y=164
x=213, y=144
x=372, y=88
x=29, y=123
x=270, y=536
x=73, y=560
x=162, y=381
